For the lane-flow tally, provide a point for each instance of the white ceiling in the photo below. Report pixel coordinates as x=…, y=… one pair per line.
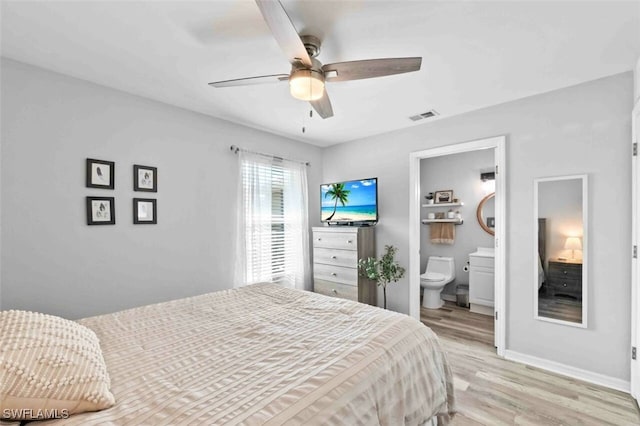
x=475, y=54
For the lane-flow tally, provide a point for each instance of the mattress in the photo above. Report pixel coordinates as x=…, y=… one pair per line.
x=268, y=355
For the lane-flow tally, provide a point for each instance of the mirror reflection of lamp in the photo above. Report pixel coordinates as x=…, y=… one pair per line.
x=488, y=182
x=573, y=244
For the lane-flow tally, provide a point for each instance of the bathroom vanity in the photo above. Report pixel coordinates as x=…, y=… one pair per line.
x=481, y=280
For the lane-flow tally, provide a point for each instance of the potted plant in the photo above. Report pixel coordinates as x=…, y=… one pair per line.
x=429, y=198
x=382, y=271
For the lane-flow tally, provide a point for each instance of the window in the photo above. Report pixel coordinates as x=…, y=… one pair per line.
x=272, y=222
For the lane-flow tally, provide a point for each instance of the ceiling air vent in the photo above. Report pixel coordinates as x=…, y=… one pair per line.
x=428, y=114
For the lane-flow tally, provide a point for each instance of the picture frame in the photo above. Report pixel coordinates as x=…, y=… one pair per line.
x=443, y=197
x=145, y=178
x=100, y=174
x=101, y=211
x=145, y=211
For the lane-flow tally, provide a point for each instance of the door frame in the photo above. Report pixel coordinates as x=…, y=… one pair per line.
x=635, y=265
x=498, y=143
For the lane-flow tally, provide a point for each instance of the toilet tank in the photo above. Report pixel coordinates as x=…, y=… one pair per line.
x=441, y=265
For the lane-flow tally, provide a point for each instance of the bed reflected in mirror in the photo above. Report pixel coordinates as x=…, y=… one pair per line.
x=560, y=285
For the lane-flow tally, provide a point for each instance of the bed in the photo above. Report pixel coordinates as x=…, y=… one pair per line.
x=264, y=354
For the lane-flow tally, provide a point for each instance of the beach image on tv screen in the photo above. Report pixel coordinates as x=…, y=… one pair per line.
x=353, y=201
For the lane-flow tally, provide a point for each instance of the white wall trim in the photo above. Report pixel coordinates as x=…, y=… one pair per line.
x=499, y=144
x=635, y=241
x=567, y=370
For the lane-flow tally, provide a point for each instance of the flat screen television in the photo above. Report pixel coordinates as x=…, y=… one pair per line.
x=351, y=202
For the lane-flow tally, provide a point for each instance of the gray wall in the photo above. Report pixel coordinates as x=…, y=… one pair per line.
x=461, y=173
x=580, y=129
x=51, y=260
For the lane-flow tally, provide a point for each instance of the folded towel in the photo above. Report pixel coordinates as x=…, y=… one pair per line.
x=443, y=233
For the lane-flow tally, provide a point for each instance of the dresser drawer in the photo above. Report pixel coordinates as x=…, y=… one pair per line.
x=338, y=274
x=342, y=291
x=568, y=285
x=335, y=240
x=571, y=288
x=347, y=258
x=565, y=273
x=566, y=266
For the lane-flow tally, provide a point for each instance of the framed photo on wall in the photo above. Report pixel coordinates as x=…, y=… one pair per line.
x=101, y=211
x=443, y=197
x=144, y=211
x=145, y=178
x=100, y=174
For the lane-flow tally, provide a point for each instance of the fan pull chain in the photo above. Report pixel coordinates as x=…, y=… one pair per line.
x=304, y=128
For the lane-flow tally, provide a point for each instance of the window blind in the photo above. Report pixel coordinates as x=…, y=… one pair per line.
x=274, y=222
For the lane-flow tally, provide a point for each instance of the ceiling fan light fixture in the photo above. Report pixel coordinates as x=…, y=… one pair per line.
x=306, y=85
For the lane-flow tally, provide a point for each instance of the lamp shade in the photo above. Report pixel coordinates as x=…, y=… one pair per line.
x=306, y=85
x=573, y=243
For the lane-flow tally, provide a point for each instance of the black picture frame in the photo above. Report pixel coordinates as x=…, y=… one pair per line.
x=443, y=197
x=138, y=219
x=100, y=174
x=102, y=213
x=145, y=178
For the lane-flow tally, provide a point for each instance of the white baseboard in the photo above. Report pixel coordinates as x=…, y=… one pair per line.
x=481, y=309
x=567, y=370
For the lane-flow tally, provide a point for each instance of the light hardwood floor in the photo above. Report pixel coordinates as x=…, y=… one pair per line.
x=560, y=308
x=492, y=391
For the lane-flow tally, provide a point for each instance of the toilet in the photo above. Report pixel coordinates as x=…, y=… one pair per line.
x=440, y=272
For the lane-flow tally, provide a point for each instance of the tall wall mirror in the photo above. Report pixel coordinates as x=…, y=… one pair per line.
x=560, y=271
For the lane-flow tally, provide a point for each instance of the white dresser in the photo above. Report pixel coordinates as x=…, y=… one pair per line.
x=336, y=251
x=481, y=281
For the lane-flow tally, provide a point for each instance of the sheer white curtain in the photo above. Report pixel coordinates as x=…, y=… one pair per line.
x=272, y=235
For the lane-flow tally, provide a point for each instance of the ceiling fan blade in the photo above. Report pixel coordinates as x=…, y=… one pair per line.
x=323, y=106
x=263, y=79
x=356, y=70
x=283, y=31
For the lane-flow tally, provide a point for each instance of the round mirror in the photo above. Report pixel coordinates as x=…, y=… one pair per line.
x=486, y=209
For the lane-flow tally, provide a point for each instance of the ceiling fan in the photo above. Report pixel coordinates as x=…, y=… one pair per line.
x=308, y=76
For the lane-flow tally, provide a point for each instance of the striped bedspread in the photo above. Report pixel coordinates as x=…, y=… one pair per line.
x=268, y=355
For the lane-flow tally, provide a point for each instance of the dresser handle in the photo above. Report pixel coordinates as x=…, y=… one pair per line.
x=319, y=239
x=564, y=284
x=334, y=291
x=349, y=241
x=333, y=257
x=334, y=274
x=564, y=272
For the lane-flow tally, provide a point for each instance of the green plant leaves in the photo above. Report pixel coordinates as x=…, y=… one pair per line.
x=382, y=271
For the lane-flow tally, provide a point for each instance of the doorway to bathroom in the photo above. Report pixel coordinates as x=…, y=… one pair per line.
x=445, y=198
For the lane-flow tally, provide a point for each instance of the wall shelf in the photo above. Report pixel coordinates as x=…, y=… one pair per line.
x=443, y=205
x=454, y=221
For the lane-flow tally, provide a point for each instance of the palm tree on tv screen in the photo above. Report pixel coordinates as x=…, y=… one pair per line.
x=338, y=193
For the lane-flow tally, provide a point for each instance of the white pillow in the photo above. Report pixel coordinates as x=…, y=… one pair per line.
x=50, y=368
